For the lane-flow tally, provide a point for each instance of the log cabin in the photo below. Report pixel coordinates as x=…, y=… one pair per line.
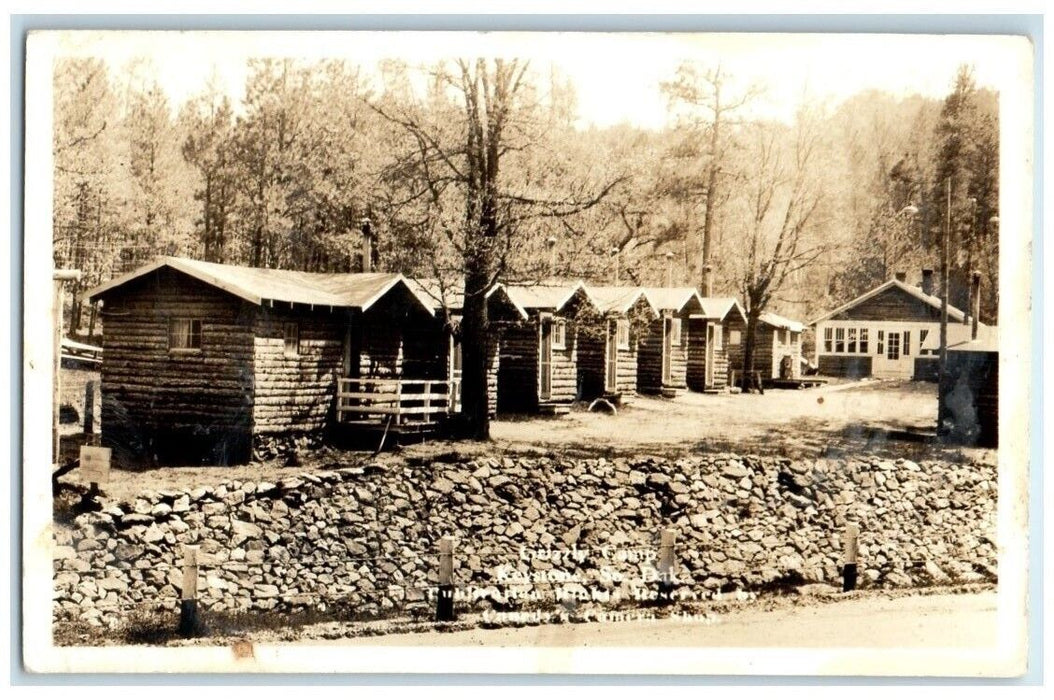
x=712, y=334
x=447, y=300
x=662, y=364
x=538, y=365
x=203, y=361
x=889, y=332
x=608, y=343
x=777, y=347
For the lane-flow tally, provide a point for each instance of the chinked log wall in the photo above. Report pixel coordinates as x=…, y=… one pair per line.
x=697, y=352
x=187, y=405
x=649, y=362
x=295, y=392
x=518, y=385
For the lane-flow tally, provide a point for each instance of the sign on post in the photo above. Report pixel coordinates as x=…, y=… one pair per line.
x=95, y=464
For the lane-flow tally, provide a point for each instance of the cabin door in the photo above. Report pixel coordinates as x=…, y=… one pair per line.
x=667, y=351
x=711, y=342
x=611, y=358
x=894, y=359
x=455, y=374
x=545, y=360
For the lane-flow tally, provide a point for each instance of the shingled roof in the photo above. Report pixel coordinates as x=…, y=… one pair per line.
x=934, y=301
x=268, y=286
x=618, y=299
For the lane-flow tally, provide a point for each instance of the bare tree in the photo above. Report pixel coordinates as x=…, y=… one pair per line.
x=472, y=177
x=781, y=196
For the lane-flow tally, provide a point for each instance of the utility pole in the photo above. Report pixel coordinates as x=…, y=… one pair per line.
x=944, y=277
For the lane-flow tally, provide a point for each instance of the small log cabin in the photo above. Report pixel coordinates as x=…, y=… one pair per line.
x=711, y=335
x=777, y=347
x=890, y=332
x=662, y=364
x=202, y=360
x=447, y=301
x=538, y=367
x=608, y=343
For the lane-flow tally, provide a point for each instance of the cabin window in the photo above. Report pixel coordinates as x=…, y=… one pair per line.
x=719, y=332
x=839, y=340
x=907, y=343
x=184, y=334
x=675, y=331
x=881, y=344
x=828, y=339
x=851, y=344
x=559, y=334
x=622, y=330
x=863, y=341
x=923, y=334
x=291, y=333
x=734, y=337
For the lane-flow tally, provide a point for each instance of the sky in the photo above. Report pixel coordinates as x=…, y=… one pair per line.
x=616, y=76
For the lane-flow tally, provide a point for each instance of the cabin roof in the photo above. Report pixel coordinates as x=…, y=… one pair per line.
x=545, y=296
x=618, y=299
x=674, y=298
x=777, y=321
x=452, y=296
x=953, y=313
x=262, y=285
x=720, y=307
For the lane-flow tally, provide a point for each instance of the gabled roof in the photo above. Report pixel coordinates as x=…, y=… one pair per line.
x=674, y=298
x=452, y=296
x=953, y=313
x=778, y=321
x=545, y=296
x=618, y=299
x=718, y=308
x=262, y=285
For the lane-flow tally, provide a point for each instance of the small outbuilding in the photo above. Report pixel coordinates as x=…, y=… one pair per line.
x=538, y=365
x=777, y=348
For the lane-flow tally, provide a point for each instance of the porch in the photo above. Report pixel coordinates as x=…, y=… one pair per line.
x=398, y=405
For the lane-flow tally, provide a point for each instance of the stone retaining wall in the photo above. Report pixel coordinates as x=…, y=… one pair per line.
x=366, y=539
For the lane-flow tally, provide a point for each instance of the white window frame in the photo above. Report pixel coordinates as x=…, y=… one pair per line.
x=558, y=334
x=735, y=337
x=850, y=341
x=863, y=341
x=880, y=344
x=828, y=339
x=291, y=339
x=190, y=335
x=839, y=341
x=622, y=334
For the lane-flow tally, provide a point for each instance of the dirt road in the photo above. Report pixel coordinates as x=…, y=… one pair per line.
x=943, y=620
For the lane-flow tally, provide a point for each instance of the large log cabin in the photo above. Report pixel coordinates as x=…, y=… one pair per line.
x=202, y=360
x=890, y=332
x=538, y=369
x=608, y=343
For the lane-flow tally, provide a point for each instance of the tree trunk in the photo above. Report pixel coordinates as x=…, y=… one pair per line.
x=475, y=410
x=748, y=349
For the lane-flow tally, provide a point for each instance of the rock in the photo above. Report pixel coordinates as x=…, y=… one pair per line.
x=242, y=531
x=181, y=504
x=735, y=470
x=153, y=534
x=443, y=485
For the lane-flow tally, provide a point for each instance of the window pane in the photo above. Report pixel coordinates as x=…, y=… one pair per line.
x=863, y=340
x=907, y=342
x=839, y=340
x=292, y=339
x=828, y=339
x=852, y=341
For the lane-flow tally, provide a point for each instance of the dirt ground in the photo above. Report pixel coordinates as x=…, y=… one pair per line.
x=940, y=620
x=839, y=419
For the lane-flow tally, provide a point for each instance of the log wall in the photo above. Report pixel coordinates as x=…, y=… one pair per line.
x=177, y=406
x=518, y=369
x=296, y=393
x=649, y=359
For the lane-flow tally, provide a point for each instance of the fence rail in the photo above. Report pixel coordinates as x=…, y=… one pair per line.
x=408, y=402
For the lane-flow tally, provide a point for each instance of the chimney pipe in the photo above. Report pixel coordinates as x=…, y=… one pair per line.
x=669, y=269
x=367, y=246
x=708, y=281
x=927, y=281
x=975, y=301
x=902, y=276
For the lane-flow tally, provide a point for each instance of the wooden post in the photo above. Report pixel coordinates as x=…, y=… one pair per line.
x=849, y=557
x=668, y=538
x=445, y=599
x=89, y=408
x=189, y=620
x=59, y=280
